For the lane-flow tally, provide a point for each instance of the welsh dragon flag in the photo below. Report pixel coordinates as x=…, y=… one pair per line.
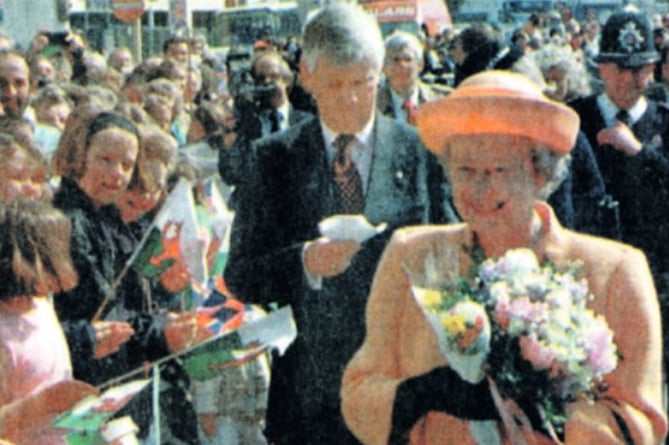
x=174, y=234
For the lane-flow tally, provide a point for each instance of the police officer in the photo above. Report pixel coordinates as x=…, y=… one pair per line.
x=628, y=132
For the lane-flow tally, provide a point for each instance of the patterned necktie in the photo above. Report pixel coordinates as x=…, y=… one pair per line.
x=410, y=108
x=624, y=117
x=346, y=176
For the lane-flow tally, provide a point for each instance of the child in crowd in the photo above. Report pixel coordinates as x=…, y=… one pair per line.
x=109, y=328
x=164, y=102
x=96, y=158
x=35, y=370
x=147, y=188
x=23, y=171
x=138, y=206
x=52, y=107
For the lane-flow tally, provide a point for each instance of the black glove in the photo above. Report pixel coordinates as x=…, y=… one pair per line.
x=443, y=390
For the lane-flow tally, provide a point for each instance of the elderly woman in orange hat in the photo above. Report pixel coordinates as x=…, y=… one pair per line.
x=503, y=143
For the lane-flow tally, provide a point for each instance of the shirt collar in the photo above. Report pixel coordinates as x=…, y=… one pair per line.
x=364, y=135
x=609, y=109
x=285, y=111
x=399, y=100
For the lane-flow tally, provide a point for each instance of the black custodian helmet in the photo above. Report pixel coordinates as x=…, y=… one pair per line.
x=627, y=40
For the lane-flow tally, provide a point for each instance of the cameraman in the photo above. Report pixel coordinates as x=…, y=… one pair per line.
x=261, y=108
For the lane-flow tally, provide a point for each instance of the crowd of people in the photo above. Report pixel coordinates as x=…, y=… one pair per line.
x=554, y=138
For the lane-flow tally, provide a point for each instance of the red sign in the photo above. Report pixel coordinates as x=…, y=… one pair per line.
x=128, y=10
x=392, y=11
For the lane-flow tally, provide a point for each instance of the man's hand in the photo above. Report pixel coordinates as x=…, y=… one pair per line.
x=620, y=137
x=328, y=258
x=110, y=335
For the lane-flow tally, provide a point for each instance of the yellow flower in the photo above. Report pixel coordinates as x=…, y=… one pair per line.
x=429, y=299
x=453, y=324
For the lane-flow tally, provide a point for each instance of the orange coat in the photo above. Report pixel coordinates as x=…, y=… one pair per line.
x=400, y=344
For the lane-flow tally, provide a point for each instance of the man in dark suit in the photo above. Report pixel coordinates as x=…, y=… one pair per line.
x=260, y=112
x=277, y=253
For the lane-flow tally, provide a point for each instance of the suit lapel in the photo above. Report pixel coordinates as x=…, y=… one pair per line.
x=294, y=117
x=318, y=188
x=384, y=101
x=386, y=168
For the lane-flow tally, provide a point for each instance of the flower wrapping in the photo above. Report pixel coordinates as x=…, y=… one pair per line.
x=525, y=325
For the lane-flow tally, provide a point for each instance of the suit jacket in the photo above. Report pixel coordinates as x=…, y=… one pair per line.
x=639, y=183
x=384, y=99
x=291, y=191
x=443, y=210
x=401, y=344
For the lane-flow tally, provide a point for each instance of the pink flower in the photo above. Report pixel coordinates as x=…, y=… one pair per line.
x=535, y=352
x=522, y=308
x=601, y=350
x=501, y=314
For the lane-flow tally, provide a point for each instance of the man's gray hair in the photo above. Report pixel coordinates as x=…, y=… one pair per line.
x=344, y=34
x=399, y=40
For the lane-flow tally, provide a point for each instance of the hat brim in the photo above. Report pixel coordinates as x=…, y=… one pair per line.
x=551, y=124
x=628, y=60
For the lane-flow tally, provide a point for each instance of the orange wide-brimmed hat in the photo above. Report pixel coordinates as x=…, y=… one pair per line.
x=498, y=102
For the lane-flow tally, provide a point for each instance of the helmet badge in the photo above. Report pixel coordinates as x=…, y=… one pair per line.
x=630, y=37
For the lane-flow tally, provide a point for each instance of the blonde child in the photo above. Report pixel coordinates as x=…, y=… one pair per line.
x=35, y=369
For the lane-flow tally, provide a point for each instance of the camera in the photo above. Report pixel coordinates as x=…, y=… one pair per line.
x=250, y=97
x=247, y=93
x=42, y=82
x=58, y=38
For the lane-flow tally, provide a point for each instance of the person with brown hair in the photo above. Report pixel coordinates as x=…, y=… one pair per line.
x=35, y=370
x=110, y=325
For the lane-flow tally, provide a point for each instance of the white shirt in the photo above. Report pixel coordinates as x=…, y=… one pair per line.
x=609, y=109
x=284, y=113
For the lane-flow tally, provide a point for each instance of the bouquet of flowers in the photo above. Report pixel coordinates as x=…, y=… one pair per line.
x=528, y=328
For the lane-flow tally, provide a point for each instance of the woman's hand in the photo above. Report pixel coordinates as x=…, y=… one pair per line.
x=182, y=331
x=109, y=336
